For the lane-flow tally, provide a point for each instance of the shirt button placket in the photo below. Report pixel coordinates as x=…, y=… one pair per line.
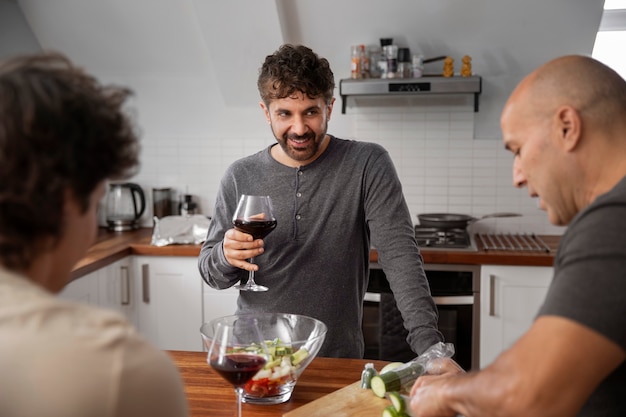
x=298, y=195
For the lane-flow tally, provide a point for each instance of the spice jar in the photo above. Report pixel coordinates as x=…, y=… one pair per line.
x=391, y=53
x=404, y=63
x=355, y=62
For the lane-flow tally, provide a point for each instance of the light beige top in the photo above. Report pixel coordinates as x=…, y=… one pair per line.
x=64, y=359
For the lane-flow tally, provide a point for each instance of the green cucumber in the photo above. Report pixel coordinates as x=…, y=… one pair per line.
x=390, y=367
x=397, y=379
x=389, y=411
x=272, y=363
x=300, y=355
x=397, y=401
x=385, y=382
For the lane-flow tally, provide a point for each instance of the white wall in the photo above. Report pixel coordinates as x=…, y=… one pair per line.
x=15, y=34
x=193, y=66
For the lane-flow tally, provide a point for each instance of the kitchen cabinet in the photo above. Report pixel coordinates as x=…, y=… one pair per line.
x=169, y=301
x=83, y=289
x=510, y=299
x=218, y=303
x=109, y=287
x=116, y=287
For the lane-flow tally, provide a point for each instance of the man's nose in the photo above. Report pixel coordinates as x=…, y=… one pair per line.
x=299, y=126
x=519, y=180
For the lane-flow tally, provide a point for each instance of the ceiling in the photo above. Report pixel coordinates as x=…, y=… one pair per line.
x=225, y=42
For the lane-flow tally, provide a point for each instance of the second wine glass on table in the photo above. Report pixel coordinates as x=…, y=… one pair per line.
x=236, y=351
x=254, y=215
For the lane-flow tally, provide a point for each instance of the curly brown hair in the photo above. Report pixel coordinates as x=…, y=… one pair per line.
x=60, y=130
x=295, y=68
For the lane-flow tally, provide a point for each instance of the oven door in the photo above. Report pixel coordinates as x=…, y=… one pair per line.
x=456, y=323
x=455, y=291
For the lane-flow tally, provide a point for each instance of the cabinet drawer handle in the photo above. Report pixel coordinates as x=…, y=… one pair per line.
x=145, y=283
x=492, y=295
x=125, y=285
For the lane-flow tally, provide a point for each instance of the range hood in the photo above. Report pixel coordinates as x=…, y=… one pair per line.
x=410, y=86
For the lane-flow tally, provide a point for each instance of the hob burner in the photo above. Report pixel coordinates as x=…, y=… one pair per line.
x=432, y=237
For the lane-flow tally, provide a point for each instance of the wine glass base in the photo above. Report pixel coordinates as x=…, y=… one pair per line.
x=255, y=288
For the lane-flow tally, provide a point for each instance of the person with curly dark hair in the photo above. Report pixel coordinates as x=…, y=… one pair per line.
x=333, y=199
x=62, y=136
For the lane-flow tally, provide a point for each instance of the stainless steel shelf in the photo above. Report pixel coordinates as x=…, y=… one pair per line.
x=410, y=86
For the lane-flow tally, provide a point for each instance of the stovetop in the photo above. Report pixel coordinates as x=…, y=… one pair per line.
x=435, y=238
x=460, y=240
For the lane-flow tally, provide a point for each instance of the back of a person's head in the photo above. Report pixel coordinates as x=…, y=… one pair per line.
x=597, y=91
x=60, y=131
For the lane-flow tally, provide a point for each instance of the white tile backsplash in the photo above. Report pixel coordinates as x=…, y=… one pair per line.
x=443, y=168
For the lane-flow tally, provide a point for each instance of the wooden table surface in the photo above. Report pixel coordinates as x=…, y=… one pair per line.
x=210, y=395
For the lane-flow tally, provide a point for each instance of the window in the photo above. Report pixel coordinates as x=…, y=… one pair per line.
x=611, y=38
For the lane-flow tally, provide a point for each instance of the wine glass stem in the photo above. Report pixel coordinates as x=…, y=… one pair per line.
x=250, y=282
x=239, y=393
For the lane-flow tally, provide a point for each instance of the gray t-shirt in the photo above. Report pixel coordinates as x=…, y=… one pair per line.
x=316, y=261
x=589, y=287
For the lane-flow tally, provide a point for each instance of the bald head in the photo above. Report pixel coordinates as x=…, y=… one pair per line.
x=596, y=91
x=565, y=123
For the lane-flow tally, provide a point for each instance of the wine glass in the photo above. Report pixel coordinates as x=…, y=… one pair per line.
x=254, y=215
x=236, y=351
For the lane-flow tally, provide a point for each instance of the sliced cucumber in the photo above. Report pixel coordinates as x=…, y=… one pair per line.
x=381, y=384
x=272, y=363
x=390, y=367
x=389, y=411
x=300, y=355
x=397, y=401
x=396, y=380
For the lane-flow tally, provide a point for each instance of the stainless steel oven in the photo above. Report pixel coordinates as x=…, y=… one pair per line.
x=455, y=290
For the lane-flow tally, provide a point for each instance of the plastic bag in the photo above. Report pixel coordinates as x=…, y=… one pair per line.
x=437, y=351
x=180, y=230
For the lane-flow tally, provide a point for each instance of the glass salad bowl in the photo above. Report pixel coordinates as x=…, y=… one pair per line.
x=291, y=342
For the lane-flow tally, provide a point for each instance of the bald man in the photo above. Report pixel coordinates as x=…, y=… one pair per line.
x=566, y=126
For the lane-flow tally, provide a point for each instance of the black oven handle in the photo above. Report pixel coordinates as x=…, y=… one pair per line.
x=459, y=300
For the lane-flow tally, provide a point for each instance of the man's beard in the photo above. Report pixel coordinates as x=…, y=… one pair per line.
x=308, y=149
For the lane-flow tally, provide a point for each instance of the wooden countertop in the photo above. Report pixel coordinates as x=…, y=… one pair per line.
x=111, y=246
x=210, y=395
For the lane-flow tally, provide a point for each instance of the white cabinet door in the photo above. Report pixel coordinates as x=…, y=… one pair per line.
x=510, y=299
x=116, y=288
x=169, y=301
x=218, y=303
x=83, y=289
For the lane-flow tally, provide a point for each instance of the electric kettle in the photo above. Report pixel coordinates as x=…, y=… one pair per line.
x=126, y=203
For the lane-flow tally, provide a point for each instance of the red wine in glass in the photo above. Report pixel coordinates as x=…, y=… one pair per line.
x=238, y=368
x=254, y=215
x=229, y=340
x=258, y=229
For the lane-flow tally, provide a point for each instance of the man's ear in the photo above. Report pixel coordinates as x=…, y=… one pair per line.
x=329, y=109
x=569, y=125
x=266, y=111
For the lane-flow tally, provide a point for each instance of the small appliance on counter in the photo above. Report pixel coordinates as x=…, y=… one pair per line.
x=126, y=202
x=162, y=202
x=187, y=207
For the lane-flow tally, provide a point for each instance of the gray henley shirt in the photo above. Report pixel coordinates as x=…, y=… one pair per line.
x=316, y=261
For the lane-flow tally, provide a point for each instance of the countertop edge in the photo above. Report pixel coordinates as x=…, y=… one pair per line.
x=112, y=246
